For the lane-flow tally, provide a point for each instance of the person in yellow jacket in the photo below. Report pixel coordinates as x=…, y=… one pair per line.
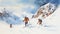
x=26, y=19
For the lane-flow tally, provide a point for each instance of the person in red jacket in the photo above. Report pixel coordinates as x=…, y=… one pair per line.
x=26, y=19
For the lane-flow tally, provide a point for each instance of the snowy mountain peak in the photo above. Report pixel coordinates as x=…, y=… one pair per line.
x=45, y=10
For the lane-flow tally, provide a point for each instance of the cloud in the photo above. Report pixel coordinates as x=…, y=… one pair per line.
x=15, y=2
x=8, y=2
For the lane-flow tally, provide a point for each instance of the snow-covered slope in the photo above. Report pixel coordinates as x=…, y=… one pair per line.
x=51, y=25
x=45, y=10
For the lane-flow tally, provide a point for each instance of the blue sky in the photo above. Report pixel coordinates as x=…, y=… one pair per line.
x=14, y=2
